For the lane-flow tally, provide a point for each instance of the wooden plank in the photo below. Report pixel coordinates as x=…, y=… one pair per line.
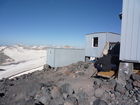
x=109, y=74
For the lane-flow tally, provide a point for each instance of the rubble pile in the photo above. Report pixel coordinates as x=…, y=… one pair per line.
x=70, y=85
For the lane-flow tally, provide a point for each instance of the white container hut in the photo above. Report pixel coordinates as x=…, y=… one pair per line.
x=58, y=57
x=95, y=43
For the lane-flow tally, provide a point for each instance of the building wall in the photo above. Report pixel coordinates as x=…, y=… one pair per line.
x=103, y=37
x=50, y=57
x=58, y=57
x=113, y=37
x=130, y=32
x=94, y=51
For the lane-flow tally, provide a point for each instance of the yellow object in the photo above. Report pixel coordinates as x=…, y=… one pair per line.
x=136, y=71
x=112, y=73
x=108, y=74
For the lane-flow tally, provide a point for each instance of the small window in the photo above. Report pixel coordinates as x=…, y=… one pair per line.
x=95, y=42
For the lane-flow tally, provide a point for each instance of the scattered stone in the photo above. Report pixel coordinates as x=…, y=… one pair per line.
x=129, y=81
x=84, y=102
x=135, y=77
x=99, y=102
x=72, y=100
x=136, y=84
x=82, y=95
x=39, y=103
x=82, y=98
x=98, y=82
x=43, y=96
x=81, y=73
x=55, y=88
x=66, y=88
x=112, y=83
x=138, y=97
x=127, y=93
x=46, y=67
x=55, y=92
x=65, y=95
x=57, y=101
x=120, y=88
x=30, y=102
x=117, y=94
x=129, y=86
x=2, y=94
x=68, y=103
x=112, y=96
x=86, y=66
x=99, y=92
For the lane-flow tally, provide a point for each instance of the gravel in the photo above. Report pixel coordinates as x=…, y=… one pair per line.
x=59, y=87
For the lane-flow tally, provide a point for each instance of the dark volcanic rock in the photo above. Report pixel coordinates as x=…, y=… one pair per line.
x=57, y=101
x=138, y=96
x=71, y=100
x=136, y=84
x=135, y=77
x=2, y=94
x=46, y=67
x=37, y=103
x=120, y=88
x=66, y=88
x=99, y=102
x=82, y=95
x=50, y=87
x=99, y=92
x=98, y=82
x=129, y=86
x=55, y=92
x=112, y=83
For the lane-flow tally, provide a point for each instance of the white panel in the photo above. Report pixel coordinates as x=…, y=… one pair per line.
x=135, y=32
x=138, y=29
x=123, y=30
x=130, y=34
x=50, y=57
x=129, y=29
x=58, y=57
x=112, y=37
x=64, y=57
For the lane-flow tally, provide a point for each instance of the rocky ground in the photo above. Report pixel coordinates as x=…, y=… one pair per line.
x=70, y=85
x=4, y=58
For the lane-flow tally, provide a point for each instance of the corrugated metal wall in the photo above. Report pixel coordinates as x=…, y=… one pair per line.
x=58, y=57
x=130, y=35
x=103, y=37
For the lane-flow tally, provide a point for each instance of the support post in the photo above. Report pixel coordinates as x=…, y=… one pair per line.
x=125, y=70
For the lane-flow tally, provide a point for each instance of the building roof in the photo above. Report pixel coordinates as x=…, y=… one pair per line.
x=103, y=32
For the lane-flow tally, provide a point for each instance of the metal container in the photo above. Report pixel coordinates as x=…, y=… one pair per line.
x=130, y=35
x=95, y=42
x=58, y=57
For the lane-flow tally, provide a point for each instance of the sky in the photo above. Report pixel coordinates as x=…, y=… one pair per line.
x=56, y=22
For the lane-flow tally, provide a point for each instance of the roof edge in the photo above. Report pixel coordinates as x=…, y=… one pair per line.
x=102, y=32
